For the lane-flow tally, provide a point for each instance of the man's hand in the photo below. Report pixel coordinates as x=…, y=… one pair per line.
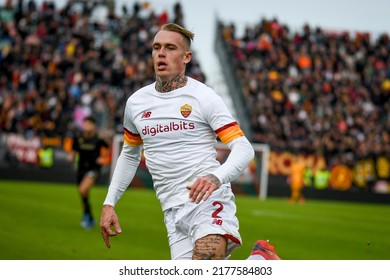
x=70, y=157
x=203, y=187
x=100, y=160
x=109, y=219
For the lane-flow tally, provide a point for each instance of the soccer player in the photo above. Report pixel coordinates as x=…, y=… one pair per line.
x=297, y=180
x=88, y=146
x=176, y=121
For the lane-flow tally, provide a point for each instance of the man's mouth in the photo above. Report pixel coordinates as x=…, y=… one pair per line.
x=161, y=65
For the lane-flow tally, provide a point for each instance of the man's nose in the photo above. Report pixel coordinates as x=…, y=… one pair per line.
x=161, y=52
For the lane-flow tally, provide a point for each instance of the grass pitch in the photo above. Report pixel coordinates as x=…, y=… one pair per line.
x=41, y=221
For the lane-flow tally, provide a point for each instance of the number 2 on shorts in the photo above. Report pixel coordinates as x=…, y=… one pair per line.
x=219, y=209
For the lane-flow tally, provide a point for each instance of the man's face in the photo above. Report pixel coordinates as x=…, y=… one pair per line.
x=170, y=54
x=89, y=126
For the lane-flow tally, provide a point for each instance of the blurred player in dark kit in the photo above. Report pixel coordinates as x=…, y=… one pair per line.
x=88, y=146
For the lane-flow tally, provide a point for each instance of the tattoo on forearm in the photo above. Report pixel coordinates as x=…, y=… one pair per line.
x=214, y=179
x=176, y=82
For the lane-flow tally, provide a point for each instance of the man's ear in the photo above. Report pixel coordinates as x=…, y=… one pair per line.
x=188, y=57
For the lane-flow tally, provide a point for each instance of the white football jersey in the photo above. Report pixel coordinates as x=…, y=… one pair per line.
x=178, y=131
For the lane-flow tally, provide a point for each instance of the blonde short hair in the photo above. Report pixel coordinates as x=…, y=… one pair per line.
x=187, y=35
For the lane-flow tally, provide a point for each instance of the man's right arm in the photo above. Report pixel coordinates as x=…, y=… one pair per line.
x=124, y=172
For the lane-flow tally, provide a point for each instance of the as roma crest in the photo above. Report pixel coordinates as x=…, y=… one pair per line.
x=185, y=110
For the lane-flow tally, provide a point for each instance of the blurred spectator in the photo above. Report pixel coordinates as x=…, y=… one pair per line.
x=59, y=65
x=314, y=91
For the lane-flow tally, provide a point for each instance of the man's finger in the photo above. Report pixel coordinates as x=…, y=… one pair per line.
x=202, y=194
x=117, y=228
x=106, y=238
x=193, y=189
x=197, y=196
x=201, y=189
x=207, y=194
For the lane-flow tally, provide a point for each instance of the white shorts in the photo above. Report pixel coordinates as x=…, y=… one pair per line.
x=188, y=222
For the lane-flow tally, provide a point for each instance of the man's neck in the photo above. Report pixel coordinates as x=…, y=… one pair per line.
x=176, y=82
x=88, y=134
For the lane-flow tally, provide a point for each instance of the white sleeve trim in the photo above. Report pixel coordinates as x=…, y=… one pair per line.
x=240, y=156
x=124, y=172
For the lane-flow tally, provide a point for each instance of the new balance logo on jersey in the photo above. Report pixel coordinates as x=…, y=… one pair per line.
x=146, y=115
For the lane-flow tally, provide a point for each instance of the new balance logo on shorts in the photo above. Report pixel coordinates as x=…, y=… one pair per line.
x=217, y=222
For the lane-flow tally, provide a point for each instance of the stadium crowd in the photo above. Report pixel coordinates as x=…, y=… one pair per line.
x=314, y=91
x=307, y=91
x=58, y=65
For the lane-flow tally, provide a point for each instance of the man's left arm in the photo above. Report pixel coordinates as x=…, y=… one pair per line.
x=229, y=132
x=240, y=156
x=104, y=152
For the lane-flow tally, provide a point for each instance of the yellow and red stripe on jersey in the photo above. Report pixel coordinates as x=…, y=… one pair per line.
x=229, y=132
x=132, y=139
